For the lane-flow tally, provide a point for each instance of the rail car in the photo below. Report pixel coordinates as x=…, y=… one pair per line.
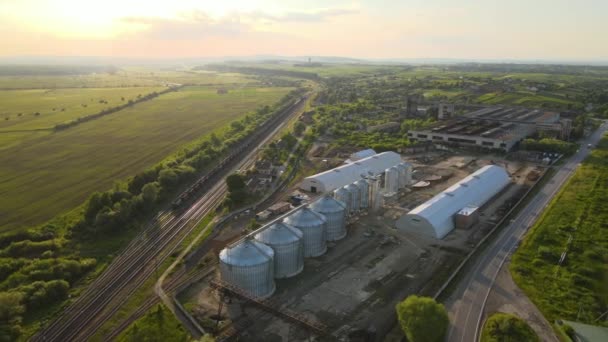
x=254, y=138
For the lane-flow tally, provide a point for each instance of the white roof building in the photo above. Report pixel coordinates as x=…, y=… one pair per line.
x=349, y=173
x=360, y=155
x=435, y=217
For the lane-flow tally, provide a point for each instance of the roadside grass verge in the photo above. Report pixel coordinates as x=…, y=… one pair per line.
x=575, y=223
x=158, y=324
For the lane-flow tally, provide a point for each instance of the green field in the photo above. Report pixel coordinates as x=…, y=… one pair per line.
x=576, y=222
x=59, y=105
x=125, y=78
x=55, y=172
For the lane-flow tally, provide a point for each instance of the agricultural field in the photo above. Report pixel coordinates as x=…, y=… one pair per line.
x=574, y=223
x=38, y=109
x=55, y=172
x=123, y=78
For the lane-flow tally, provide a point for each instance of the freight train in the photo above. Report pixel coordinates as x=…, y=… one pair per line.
x=251, y=141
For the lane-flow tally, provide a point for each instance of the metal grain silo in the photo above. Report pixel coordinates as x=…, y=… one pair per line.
x=375, y=195
x=288, y=246
x=249, y=266
x=312, y=224
x=391, y=180
x=407, y=173
x=363, y=186
x=343, y=196
x=355, y=196
x=401, y=175
x=335, y=213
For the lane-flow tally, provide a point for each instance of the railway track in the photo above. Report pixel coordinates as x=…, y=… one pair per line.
x=139, y=260
x=177, y=281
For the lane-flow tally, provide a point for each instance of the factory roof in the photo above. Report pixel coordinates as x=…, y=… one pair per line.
x=349, y=173
x=474, y=190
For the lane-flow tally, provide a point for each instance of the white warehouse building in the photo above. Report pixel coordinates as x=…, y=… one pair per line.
x=349, y=173
x=435, y=217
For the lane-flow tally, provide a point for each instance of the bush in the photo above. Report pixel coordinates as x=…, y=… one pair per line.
x=506, y=327
x=28, y=248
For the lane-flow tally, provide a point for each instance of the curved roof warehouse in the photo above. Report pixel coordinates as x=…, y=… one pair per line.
x=435, y=216
x=349, y=173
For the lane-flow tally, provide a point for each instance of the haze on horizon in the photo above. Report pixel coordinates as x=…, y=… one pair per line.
x=489, y=29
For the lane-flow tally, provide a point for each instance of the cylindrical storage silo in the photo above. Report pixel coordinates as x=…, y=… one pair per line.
x=343, y=196
x=363, y=186
x=335, y=214
x=407, y=176
x=374, y=193
x=401, y=179
x=391, y=180
x=288, y=246
x=312, y=226
x=249, y=267
x=355, y=196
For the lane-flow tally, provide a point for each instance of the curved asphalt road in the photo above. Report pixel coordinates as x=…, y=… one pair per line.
x=466, y=304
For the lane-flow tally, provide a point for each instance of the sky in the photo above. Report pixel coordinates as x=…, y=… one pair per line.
x=473, y=29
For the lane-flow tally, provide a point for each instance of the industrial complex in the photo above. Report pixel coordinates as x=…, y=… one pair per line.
x=376, y=227
x=499, y=128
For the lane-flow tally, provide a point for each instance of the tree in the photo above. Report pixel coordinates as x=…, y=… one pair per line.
x=422, y=319
x=11, y=305
x=149, y=192
x=299, y=128
x=237, y=189
x=167, y=178
x=235, y=182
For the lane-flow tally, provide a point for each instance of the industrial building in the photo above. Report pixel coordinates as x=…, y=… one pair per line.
x=497, y=127
x=436, y=216
x=338, y=177
x=360, y=155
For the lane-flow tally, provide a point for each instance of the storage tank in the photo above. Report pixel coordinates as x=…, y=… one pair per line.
x=335, y=213
x=409, y=168
x=363, y=186
x=249, y=266
x=374, y=193
x=288, y=246
x=343, y=196
x=391, y=180
x=402, y=174
x=355, y=196
x=312, y=225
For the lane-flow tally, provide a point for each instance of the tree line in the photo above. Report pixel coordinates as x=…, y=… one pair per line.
x=130, y=103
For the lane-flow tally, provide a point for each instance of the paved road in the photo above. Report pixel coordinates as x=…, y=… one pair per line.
x=466, y=305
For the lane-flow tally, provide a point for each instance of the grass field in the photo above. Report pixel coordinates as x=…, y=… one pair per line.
x=59, y=105
x=576, y=222
x=55, y=172
x=128, y=77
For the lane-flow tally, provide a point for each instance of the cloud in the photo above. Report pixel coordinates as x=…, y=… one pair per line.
x=197, y=24
x=317, y=16
x=194, y=25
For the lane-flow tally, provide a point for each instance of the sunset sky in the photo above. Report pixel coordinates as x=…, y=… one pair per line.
x=518, y=29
